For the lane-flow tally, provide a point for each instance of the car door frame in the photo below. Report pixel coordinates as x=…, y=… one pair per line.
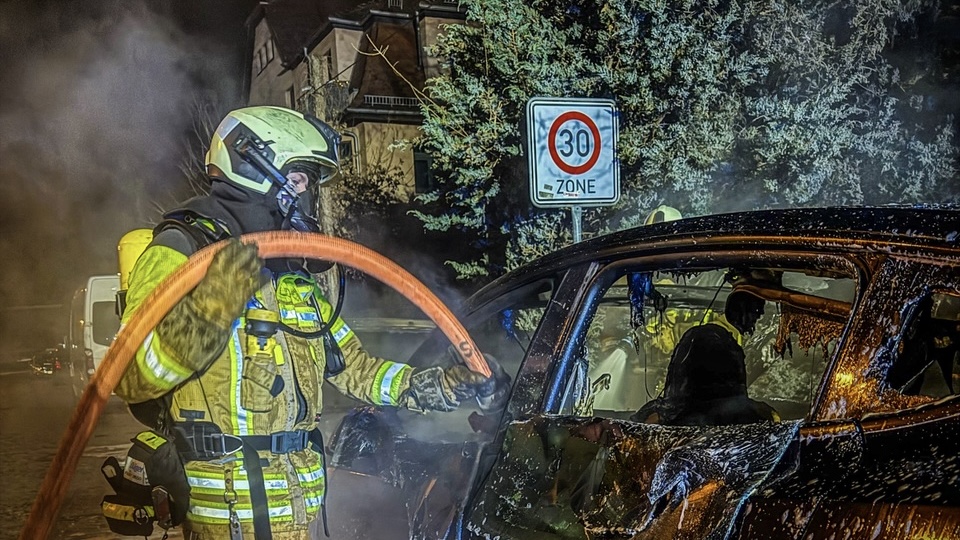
x=545, y=370
x=875, y=419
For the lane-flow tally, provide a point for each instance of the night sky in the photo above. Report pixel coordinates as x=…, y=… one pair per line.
x=96, y=109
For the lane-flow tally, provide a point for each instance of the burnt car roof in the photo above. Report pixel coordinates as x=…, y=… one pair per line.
x=830, y=229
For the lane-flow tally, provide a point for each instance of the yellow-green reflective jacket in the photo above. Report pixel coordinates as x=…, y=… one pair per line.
x=224, y=395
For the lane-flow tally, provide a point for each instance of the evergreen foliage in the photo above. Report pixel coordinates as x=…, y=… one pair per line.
x=366, y=198
x=724, y=105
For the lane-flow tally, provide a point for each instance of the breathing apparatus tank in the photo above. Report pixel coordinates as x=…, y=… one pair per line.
x=141, y=499
x=129, y=249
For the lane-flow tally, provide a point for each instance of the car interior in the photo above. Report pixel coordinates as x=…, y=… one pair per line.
x=670, y=370
x=781, y=327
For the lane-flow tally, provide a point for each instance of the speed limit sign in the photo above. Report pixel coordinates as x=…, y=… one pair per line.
x=572, y=152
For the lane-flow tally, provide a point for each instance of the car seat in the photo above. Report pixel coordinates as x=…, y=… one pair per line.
x=706, y=384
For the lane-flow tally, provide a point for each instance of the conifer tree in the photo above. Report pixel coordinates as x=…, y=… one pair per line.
x=724, y=105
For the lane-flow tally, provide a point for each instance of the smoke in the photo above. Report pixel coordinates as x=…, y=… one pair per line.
x=96, y=106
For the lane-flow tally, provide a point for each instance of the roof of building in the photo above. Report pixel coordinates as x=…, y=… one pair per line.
x=291, y=23
x=385, y=83
x=299, y=24
x=376, y=73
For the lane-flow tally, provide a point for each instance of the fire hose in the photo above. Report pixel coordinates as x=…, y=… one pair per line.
x=46, y=506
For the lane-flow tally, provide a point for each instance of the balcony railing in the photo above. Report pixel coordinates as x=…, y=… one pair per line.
x=390, y=101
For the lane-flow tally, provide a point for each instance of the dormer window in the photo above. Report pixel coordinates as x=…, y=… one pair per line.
x=264, y=56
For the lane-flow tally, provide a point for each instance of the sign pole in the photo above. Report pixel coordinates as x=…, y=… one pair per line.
x=577, y=212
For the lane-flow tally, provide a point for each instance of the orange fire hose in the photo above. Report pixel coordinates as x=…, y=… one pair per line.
x=85, y=417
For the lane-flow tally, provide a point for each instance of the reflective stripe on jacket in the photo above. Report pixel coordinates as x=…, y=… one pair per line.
x=234, y=402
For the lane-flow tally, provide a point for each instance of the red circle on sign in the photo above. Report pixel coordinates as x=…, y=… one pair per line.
x=552, y=142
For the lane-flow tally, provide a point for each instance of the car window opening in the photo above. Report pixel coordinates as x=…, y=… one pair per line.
x=106, y=323
x=927, y=363
x=712, y=347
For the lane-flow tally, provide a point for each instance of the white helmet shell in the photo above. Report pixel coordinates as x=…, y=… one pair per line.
x=287, y=136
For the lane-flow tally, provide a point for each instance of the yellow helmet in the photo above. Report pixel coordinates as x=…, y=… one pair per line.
x=663, y=213
x=254, y=147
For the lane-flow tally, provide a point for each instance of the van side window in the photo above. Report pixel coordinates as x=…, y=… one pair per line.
x=106, y=323
x=928, y=360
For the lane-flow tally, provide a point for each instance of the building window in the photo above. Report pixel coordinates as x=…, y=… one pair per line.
x=290, y=98
x=328, y=66
x=395, y=4
x=422, y=172
x=347, y=152
x=263, y=56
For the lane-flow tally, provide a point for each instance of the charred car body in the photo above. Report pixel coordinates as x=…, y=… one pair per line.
x=841, y=420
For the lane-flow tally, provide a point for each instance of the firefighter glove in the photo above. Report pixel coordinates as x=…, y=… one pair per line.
x=493, y=394
x=443, y=389
x=197, y=329
x=232, y=279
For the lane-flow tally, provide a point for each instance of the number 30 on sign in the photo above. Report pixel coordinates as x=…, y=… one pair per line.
x=572, y=152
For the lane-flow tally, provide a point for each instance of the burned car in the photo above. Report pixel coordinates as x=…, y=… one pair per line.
x=774, y=374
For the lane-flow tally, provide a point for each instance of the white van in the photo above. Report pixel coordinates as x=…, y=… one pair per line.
x=93, y=325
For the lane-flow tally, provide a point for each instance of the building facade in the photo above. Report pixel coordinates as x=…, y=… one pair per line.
x=357, y=67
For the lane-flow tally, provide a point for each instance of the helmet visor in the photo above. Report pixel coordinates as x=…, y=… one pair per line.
x=316, y=173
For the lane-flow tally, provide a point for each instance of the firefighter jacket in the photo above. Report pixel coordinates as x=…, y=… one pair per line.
x=235, y=394
x=663, y=332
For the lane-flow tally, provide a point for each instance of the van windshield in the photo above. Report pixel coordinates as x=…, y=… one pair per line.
x=106, y=323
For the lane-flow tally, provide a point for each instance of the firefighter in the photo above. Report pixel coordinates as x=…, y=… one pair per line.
x=664, y=332
x=661, y=214
x=234, y=371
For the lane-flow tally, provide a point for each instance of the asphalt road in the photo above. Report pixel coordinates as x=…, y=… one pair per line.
x=34, y=412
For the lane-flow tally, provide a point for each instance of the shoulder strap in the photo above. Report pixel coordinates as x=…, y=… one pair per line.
x=201, y=231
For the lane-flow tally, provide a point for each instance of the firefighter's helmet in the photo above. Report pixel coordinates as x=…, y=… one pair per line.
x=255, y=147
x=663, y=213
